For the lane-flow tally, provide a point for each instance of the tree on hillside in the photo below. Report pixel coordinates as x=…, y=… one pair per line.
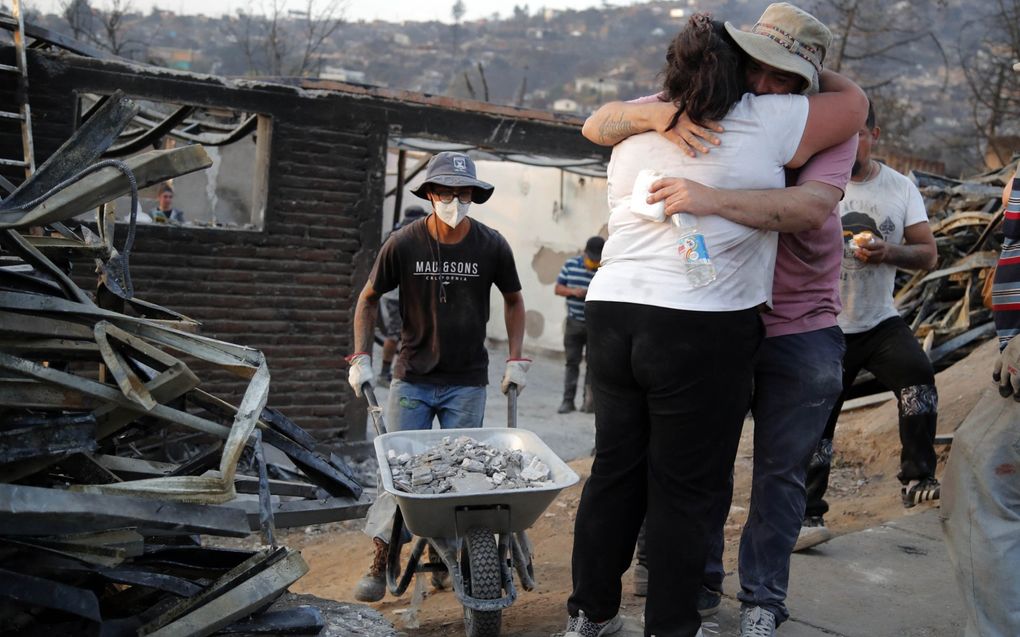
x=877, y=44
x=276, y=41
x=989, y=45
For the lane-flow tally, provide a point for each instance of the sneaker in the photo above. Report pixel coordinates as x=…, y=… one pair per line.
x=812, y=533
x=566, y=407
x=755, y=621
x=708, y=601
x=581, y=626
x=640, y=580
x=372, y=586
x=917, y=491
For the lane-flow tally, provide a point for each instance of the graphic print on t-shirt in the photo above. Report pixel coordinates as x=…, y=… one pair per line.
x=856, y=223
x=446, y=270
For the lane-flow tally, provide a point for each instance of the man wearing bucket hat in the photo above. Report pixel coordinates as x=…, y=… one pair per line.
x=572, y=283
x=798, y=371
x=444, y=265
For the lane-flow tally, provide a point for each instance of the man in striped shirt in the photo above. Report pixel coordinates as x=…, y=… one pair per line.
x=573, y=283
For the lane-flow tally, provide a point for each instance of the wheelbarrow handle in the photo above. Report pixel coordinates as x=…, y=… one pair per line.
x=373, y=408
x=511, y=406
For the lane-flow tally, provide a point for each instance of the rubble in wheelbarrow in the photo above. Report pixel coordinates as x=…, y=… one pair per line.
x=465, y=465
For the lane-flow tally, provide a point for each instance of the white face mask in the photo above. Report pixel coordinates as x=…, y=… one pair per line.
x=451, y=213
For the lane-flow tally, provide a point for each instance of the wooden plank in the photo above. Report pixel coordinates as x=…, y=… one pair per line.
x=57, y=435
x=250, y=485
x=109, y=183
x=37, y=511
x=49, y=594
x=868, y=401
x=293, y=513
x=238, y=601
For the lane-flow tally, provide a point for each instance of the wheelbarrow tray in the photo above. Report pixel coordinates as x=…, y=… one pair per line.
x=500, y=510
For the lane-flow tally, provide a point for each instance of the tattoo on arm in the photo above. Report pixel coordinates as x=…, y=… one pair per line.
x=613, y=131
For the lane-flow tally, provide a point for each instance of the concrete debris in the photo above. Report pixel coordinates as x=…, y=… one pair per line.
x=465, y=465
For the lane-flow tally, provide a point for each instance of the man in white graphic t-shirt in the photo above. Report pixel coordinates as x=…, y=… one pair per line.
x=885, y=227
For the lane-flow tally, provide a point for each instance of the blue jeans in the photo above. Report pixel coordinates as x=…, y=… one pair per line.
x=797, y=379
x=412, y=406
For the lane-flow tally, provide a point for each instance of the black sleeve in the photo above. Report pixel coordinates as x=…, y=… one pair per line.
x=385, y=274
x=506, y=270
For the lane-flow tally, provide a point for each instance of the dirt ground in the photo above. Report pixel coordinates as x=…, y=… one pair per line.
x=863, y=492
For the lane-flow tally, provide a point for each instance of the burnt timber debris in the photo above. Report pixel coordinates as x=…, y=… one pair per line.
x=944, y=307
x=113, y=457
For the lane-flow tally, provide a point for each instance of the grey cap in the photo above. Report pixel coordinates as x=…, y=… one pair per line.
x=454, y=170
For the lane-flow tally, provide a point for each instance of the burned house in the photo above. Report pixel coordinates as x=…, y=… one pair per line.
x=286, y=278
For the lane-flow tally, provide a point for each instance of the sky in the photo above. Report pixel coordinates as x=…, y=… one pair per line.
x=390, y=10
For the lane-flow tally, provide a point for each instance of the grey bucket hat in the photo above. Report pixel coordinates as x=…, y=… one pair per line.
x=454, y=170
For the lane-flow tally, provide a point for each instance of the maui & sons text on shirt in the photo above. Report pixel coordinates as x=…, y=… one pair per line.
x=447, y=270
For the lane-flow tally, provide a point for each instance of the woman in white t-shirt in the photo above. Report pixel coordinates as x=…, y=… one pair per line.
x=672, y=363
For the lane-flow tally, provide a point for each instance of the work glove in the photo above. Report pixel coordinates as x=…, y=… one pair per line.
x=360, y=372
x=1007, y=370
x=516, y=373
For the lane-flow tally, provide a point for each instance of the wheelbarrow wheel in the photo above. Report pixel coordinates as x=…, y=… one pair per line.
x=480, y=564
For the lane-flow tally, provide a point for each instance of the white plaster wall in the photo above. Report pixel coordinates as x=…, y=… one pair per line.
x=528, y=208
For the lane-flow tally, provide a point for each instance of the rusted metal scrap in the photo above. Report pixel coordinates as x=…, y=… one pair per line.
x=110, y=448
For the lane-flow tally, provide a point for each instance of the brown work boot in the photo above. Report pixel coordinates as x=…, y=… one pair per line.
x=372, y=586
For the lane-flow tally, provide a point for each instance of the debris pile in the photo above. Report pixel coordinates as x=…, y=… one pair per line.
x=465, y=465
x=113, y=456
x=945, y=308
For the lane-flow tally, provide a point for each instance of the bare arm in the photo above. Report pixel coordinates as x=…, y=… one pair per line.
x=566, y=290
x=513, y=314
x=802, y=207
x=616, y=121
x=365, y=313
x=834, y=115
x=917, y=253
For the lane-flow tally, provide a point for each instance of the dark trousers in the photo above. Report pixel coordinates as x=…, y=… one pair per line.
x=890, y=352
x=797, y=379
x=575, y=339
x=671, y=389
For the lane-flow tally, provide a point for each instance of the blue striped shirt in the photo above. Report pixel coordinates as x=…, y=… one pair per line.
x=575, y=275
x=1006, y=286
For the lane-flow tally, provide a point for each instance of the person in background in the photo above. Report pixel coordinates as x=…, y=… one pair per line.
x=445, y=266
x=572, y=283
x=164, y=212
x=885, y=227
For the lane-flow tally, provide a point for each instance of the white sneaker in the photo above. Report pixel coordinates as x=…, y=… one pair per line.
x=581, y=626
x=755, y=621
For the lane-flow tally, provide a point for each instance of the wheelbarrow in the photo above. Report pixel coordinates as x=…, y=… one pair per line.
x=479, y=537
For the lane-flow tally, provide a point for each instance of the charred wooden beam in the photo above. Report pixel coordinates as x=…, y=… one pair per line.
x=38, y=511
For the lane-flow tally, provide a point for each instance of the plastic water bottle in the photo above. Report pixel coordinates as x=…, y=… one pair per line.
x=691, y=246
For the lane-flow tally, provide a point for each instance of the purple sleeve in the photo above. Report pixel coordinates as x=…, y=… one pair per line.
x=831, y=166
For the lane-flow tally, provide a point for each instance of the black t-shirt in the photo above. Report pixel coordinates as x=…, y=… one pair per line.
x=444, y=300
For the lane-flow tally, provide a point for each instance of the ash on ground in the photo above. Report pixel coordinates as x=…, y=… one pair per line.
x=465, y=465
